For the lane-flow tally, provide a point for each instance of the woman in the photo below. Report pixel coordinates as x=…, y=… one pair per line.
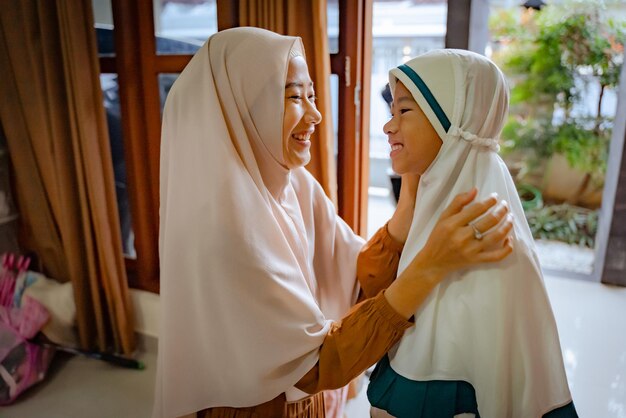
x=485, y=341
x=257, y=271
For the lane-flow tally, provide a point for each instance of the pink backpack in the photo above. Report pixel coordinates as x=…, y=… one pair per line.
x=22, y=363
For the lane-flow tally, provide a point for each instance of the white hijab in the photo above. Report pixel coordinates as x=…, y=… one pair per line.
x=255, y=264
x=491, y=325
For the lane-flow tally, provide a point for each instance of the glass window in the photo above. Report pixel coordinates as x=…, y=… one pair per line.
x=561, y=114
x=333, y=25
x=182, y=26
x=334, y=104
x=110, y=93
x=103, y=19
x=166, y=80
x=401, y=30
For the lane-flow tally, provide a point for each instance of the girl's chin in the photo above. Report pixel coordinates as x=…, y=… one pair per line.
x=398, y=168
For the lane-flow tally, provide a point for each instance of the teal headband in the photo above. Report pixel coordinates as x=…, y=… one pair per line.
x=423, y=88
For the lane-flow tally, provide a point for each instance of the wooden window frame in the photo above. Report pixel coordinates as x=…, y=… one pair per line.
x=137, y=65
x=352, y=65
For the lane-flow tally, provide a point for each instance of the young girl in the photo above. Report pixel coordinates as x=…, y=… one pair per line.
x=485, y=341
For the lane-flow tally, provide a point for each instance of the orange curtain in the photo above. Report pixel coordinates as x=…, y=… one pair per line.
x=306, y=19
x=52, y=114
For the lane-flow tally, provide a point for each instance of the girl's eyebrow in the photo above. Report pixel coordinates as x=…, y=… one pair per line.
x=403, y=99
x=297, y=84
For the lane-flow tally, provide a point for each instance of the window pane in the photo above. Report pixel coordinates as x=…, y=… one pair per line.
x=333, y=25
x=401, y=30
x=559, y=176
x=182, y=26
x=103, y=19
x=334, y=104
x=8, y=212
x=110, y=94
x=166, y=80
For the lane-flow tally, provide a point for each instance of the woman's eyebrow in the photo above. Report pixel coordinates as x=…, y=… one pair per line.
x=297, y=84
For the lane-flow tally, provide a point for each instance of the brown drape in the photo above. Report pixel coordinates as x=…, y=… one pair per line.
x=306, y=19
x=51, y=111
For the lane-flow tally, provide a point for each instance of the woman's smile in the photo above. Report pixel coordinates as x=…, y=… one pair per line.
x=303, y=139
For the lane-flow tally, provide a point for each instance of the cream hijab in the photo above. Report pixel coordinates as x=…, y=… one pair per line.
x=255, y=264
x=491, y=325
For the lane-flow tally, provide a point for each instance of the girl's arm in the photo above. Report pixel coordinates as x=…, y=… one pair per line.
x=400, y=222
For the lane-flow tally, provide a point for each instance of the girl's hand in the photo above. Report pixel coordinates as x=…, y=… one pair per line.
x=452, y=245
x=400, y=222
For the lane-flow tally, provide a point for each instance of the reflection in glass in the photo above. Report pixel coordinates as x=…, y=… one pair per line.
x=334, y=105
x=103, y=22
x=166, y=80
x=333, y=25
x=182, y=26
x=102, y=12
x=110, y=95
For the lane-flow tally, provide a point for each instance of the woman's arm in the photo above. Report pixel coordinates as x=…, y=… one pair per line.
x=355, y=343
x=372, y=327
x=377, y=264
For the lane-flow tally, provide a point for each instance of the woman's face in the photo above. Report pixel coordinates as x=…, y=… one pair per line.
x=414, y=142
x=300, y=116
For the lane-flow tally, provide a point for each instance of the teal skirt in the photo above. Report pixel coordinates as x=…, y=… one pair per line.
x=405, y=398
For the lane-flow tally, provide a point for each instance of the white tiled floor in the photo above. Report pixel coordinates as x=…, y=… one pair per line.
x=79, y=387
x=592, y=324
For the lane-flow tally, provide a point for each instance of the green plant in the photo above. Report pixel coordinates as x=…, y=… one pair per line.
x=551, y=57
x=585, y=149
x=567, y=223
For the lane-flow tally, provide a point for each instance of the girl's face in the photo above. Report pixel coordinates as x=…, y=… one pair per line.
x=414, y=142
x=300, y=116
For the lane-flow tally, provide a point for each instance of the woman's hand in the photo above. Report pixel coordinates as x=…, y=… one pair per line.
x=400, y=223
x=452, y=246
